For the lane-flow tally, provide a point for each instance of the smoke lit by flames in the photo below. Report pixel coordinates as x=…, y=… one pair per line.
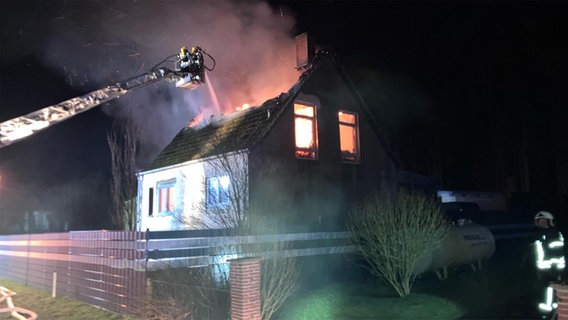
x=92, y=46
x=269, y=83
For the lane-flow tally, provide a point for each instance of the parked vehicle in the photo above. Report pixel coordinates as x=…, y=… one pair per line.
x=462, y=212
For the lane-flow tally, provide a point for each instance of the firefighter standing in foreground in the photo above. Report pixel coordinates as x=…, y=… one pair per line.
x=549, y=255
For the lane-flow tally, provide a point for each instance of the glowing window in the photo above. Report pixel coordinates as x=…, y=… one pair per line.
x=305, y=127
x=166, y=195
x=218, y=192
x=349, y=136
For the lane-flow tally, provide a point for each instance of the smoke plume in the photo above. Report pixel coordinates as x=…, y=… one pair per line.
x=96, y=43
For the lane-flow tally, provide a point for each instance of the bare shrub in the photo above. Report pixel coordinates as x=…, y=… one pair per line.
x=186, y=293
x=392, y=232
x=249, y=217
x=279, y=273
x=279, y=280
x=123, y=143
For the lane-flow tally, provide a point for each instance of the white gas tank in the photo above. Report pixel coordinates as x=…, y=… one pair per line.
x=464, y=244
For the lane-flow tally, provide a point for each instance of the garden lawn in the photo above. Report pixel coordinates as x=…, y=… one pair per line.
x=59, y=308
x=368, y=301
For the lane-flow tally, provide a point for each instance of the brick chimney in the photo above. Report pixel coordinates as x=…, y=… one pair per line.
x=305, y=51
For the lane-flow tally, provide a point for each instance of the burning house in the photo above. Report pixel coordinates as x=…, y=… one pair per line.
x=301, y=160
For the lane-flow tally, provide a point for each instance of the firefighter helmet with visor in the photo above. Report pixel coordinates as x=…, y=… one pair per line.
x=545, y=215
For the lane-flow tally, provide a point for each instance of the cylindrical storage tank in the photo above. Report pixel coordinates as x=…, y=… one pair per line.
x=464, y=244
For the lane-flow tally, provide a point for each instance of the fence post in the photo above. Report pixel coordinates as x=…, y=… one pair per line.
x=245, y=289
x=147, y=238
x=54, y=285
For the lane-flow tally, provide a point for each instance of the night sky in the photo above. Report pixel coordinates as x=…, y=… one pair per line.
x=472, y=93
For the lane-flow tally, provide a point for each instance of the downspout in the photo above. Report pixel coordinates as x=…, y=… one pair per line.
x=139, y=194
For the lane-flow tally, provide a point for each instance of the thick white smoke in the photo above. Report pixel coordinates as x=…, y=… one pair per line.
x=96, y=43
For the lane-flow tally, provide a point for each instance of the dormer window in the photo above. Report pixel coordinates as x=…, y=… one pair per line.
x=349, y=136
x=305, y=127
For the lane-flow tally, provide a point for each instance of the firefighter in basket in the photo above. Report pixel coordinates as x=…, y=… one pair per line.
x=549, y=256
x=191, y=62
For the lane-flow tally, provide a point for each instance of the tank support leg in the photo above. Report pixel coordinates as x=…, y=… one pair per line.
x=442, y=274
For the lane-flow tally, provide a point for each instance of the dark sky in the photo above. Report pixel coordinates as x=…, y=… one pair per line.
x=471, y=92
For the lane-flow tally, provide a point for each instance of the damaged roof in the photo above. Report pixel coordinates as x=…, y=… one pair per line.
x=238, y=131
x=242, y=129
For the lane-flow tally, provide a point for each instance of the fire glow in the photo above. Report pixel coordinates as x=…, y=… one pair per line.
x=244, y=106
x=233, y=91
x=305, y=130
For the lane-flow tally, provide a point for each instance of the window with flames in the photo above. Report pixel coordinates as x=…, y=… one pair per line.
x=349, y=136
x=305, y=127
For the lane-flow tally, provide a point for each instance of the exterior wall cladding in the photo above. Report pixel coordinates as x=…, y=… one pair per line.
x=315, y=195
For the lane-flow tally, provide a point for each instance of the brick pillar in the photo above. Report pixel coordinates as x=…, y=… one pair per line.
x=562, y=300
x=245, y=289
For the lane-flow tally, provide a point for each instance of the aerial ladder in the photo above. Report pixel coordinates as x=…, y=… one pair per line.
x=188, y=73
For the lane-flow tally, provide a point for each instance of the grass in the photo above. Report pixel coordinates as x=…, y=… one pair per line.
x=59, y=308
x=500, y=281
x=503, y=279
x=368, y=301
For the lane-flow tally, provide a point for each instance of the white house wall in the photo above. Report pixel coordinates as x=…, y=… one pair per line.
x=189, y=195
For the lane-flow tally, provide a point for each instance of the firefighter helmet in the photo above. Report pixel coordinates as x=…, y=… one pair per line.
x=545, y=215
x=183, y=52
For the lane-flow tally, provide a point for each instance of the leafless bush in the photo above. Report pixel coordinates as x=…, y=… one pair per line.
x=176, y=294
x=279, y=280
x=250, y=217
x=123, y=143
x=392, y=232
x=279, y=273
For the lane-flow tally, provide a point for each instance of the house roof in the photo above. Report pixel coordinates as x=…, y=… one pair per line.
x=238, y=130
x=233, y=132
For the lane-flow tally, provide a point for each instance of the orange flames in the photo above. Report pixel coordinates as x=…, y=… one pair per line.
x=244, y=106
x=196, y=120
x=305, y=130
x=239, y=89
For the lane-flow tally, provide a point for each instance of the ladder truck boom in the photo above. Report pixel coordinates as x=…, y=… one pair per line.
x=188, y=74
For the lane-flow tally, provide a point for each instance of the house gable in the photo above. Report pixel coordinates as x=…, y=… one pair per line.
x=320, y=191
x=308, y=192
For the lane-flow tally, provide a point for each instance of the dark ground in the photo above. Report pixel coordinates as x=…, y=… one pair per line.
x=506, y=288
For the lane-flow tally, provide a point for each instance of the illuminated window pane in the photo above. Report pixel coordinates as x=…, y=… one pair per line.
x=163, y=199
x=347, y=118
x=305, y=131
x=348, y=136
x=166, y=196
x=218, y=192
x=304, y=110
x=170, y=200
